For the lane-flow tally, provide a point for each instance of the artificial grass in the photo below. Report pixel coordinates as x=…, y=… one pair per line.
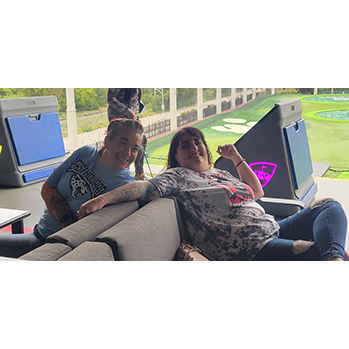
x=328, y=139
x=251, y=112
x=343, y=175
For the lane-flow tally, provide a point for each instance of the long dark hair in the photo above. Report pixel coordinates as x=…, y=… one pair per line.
x=116, y=125
x=171, y=159
x=130, y=92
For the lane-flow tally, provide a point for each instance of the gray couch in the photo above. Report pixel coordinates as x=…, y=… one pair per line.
x=122, y=232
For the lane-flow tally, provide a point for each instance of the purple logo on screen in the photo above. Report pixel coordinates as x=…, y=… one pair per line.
x=264, y=171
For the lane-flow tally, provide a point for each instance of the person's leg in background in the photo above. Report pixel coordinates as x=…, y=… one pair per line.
x=139, y=161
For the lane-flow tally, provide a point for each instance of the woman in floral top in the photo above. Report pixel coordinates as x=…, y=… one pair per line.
x=221, y=212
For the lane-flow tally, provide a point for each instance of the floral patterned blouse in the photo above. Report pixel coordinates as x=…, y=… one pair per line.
x=220, y=212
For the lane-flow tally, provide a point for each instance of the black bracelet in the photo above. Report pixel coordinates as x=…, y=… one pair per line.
x=240, y=163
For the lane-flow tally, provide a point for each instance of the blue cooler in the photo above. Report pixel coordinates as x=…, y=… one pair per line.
x=31, y=140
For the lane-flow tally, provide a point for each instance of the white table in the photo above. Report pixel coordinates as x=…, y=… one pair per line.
x=13, y=218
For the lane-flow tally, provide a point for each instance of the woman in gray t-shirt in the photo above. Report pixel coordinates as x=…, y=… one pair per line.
x=85, y=174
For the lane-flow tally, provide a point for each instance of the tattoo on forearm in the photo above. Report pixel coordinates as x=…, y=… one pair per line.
x=151, y=193
x=131, y=192
x=59, y=205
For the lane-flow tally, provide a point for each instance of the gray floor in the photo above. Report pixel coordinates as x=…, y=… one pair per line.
x=25, y=198
x=28, y=198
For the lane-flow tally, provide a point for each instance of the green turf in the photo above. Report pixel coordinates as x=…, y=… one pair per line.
x=344, y=175
x=328, y=139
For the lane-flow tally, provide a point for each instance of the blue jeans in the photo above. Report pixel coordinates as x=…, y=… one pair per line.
x=16, y=245
x=313, y=234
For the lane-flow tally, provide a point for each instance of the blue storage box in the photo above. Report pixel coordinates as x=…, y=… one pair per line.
x=36, y=139
x=31, y=139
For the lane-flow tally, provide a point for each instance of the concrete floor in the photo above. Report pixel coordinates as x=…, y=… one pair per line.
x=29, y=198
x=25, y=198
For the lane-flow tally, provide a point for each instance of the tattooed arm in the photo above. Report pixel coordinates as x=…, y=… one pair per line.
x=55, y=204
x=137, y=190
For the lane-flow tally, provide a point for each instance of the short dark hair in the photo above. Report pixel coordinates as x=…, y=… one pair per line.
x=171, y=159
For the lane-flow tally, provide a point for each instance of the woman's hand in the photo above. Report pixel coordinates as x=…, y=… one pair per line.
x=228, y=151
x=246, y=174
x=133, y=115
x=91, y=206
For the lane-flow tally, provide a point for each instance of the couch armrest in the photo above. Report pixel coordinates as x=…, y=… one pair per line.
x=88, y=228
x=90, y=251
x=149, y=234
x=281, y=208
x=47, y=252
x=281, y=201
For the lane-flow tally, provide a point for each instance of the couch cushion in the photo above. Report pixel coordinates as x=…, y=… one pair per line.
x=181, y=222
x=151, y=233
x=90, y=251
x=47, y=252
x=91, y=226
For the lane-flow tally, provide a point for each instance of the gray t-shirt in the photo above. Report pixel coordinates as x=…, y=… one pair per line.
x=220, y=212
x=80, y=178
